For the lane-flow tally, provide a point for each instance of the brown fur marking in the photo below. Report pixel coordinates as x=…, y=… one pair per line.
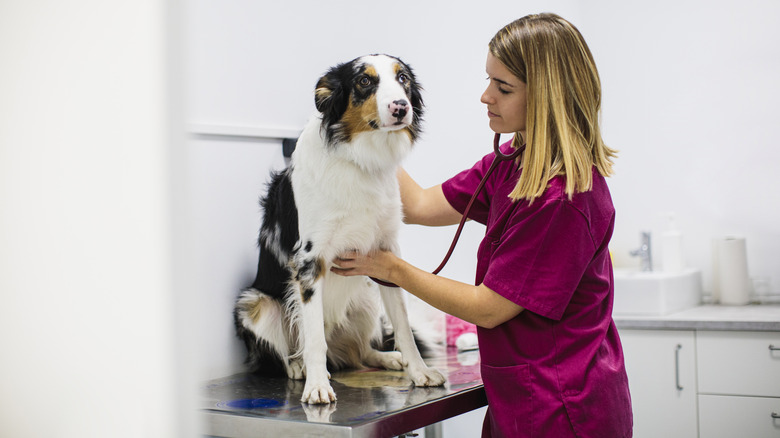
x=258, y=308
x=359, y=119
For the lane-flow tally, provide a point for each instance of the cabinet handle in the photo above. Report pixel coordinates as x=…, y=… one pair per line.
x=775, y=415
x=677, y=367
x=773, y=348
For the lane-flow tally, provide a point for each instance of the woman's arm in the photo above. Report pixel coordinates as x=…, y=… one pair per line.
x=476, y=304
x=425, y=206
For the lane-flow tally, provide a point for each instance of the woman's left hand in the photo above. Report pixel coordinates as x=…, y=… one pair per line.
x=376, y=264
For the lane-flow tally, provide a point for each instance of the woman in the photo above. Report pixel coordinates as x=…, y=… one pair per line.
x=552, y=363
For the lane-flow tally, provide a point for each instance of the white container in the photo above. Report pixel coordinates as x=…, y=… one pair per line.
x=672, y=248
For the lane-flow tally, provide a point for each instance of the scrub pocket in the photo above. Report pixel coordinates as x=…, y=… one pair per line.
x=510, y=400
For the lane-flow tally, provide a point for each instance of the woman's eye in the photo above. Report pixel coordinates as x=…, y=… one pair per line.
x=500, y=90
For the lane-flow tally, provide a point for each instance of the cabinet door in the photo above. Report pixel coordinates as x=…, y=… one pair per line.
x=730, y=416
x=739, y=363
x=661, y=371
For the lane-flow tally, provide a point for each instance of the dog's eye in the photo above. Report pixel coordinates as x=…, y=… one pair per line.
x=365, y=81
x=402, y=78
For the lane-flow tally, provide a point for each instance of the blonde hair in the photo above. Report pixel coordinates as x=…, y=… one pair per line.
x=551, y=57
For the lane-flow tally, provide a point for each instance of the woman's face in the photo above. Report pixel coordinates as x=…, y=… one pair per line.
x=506, y=99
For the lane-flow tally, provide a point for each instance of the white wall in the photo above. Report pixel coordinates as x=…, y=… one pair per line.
x=690, y=99
x=87, y=153
x=228, y=178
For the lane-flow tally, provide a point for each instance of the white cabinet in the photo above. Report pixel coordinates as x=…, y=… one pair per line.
x=739, y=384
x=739, y=363
x=661, y=367
x=733, y=416
x=709, y=384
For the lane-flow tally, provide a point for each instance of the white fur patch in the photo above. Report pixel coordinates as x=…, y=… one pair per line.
x=272, y=241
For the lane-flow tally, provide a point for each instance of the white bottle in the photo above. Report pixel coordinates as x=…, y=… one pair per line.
x=671, y=247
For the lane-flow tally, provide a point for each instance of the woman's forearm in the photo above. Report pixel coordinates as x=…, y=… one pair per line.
x=425, y=206
x=476, y=304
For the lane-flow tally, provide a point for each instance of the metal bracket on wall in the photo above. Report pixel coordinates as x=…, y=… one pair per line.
x=288, y=146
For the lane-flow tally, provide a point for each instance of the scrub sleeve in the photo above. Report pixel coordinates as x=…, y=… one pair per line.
x=557, y=368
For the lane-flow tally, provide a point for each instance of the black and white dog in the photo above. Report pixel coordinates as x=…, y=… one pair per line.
x=339, y=193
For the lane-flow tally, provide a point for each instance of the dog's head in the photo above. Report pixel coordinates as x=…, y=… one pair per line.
x=371, y=93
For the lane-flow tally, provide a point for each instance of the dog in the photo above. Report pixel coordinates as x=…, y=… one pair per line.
x=339, y=193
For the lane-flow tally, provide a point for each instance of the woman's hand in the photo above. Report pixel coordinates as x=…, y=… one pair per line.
x=377, y=264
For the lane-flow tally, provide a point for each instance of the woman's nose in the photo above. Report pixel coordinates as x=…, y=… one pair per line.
x=486, y=99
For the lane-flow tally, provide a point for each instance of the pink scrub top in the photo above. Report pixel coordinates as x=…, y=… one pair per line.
x=556, y=369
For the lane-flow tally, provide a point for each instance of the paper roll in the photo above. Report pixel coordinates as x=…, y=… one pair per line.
x=732, y=283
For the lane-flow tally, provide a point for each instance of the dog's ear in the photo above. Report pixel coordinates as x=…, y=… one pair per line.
x=323, y=93
x=330, y=95
x=416, y=95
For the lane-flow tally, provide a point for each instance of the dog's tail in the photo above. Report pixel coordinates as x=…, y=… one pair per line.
x=256, y=312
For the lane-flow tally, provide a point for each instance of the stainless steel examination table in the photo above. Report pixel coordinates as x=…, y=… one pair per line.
x=371, y=403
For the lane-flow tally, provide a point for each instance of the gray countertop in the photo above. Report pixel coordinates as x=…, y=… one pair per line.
x=708, y=317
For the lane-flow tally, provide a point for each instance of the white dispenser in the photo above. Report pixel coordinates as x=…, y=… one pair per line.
x=672, y=247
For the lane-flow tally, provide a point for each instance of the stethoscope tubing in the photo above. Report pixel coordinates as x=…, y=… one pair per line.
x=500, y=157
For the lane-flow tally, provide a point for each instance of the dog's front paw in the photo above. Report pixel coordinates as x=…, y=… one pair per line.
x=318, y=393
x=426, y=376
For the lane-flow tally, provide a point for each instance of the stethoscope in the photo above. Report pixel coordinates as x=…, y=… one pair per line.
x=500, y=157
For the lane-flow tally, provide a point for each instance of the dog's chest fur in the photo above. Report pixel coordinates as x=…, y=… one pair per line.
x=342, y=204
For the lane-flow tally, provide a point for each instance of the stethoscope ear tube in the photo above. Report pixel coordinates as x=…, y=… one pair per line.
x=502, y=156
x=499, y=158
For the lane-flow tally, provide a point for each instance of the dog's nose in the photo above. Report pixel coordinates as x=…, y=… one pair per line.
x=399, y=108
